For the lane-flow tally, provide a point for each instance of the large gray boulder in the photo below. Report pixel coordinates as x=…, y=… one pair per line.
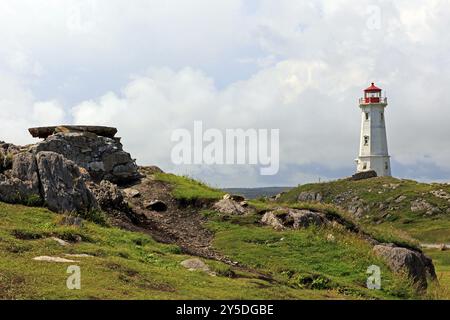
x=102, y=156
x=63, y=184
x=287, y=218
x=415, y=264
x=21, y=182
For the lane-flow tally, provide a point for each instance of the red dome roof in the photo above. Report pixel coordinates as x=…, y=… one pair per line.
x=372, y=88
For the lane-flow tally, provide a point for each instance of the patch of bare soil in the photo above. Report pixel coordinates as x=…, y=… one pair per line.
x=180, y=224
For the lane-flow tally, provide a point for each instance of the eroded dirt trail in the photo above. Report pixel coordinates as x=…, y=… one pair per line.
x=180, y=224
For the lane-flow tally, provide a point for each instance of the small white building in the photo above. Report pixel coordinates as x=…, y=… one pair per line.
x=373, y=149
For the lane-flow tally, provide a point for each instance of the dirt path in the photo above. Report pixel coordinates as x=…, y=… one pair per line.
x=181, y=225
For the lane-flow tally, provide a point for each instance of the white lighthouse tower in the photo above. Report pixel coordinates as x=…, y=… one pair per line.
x=373, y=150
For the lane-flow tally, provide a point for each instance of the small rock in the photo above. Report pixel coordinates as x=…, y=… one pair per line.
x=229, y=206
x=331, y=238
x=60, y=241
x=53, y=259
x=131, y=193
x=270, y=219
x=234, y=197
x=196, y=264
x=400, y=199
x=156, y=205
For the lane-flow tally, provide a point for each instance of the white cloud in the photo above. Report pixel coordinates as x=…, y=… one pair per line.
x=295, y=65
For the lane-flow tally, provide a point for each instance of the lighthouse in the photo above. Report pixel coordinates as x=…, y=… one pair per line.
x=373, y=149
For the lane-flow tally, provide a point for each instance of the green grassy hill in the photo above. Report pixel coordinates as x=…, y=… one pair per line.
x=419, y=210
x=266, y=264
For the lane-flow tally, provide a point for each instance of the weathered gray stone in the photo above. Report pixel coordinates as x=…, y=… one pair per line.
x=195, y=264
x=64, y=184
x=364, y=175
x=21, y=183
x=103, y=157
x=306, y=196
x=107, y=194
x=44, y=132
x=282, y=218
x=270, y=219
x=415, y=264
x=229, y=206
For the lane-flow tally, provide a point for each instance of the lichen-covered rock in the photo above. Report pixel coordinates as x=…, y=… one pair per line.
x=282, y=218
x=270, y=219
x=310, y=196
x=63, y=184
x=421, y=205
x=417, y=266
x=21, y=183
x=229, y=206
x=102, y=156
x=107, y=194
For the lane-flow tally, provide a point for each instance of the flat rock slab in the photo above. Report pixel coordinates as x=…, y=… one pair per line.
x=53, y=259
x=78, y=255
x=61, y=241
x=44, y=132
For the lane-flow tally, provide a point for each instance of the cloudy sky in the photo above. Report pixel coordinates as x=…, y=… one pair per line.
x=151, y=66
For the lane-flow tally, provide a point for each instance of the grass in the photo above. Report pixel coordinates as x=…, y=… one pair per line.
x=124, y=265
x=188, y=189
x=441, y=261
x=384, y=234
x=304, y=259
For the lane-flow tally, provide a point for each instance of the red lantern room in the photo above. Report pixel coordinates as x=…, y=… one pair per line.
x=373, y=95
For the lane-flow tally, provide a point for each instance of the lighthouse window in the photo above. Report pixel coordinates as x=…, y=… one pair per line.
x=364, y=166
x=367, y=116
x=366, y=140
x=386, y=166
x=382, y=116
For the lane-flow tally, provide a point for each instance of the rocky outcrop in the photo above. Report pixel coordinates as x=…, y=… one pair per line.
x=421, y=205
x=63, y=184
x=21, y=182
x=415, y=264
x=364, y=175
x=73, y=170
x=310, y=196
x=102, y=157
x=286, y=218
